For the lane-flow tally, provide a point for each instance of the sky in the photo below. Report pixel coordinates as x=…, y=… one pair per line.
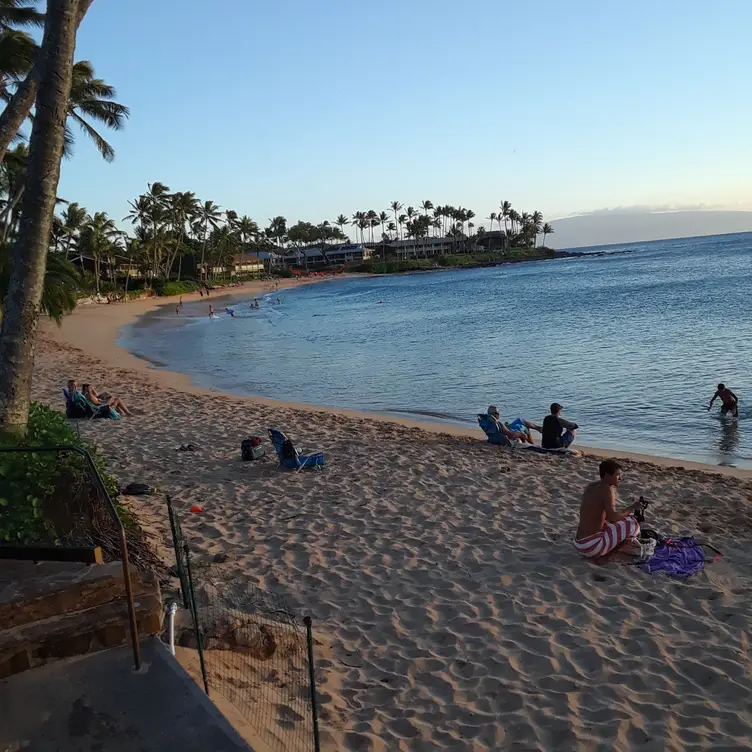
x=312, y=109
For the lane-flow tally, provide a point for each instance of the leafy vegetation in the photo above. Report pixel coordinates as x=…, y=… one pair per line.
x=42, y=492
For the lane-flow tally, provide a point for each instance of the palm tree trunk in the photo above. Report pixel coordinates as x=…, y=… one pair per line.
x=22, y=303
x=17, y=110
x=7, y=214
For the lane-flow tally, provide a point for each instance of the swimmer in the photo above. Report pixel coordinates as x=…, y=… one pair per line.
x=230, y=312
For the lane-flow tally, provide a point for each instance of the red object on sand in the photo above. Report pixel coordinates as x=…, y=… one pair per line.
x=196, y=509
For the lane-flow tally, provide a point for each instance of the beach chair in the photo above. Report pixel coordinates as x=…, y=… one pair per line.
x=289, y=456
x=493, y=432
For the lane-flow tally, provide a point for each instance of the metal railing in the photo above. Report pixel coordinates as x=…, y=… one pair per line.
x=109, y=504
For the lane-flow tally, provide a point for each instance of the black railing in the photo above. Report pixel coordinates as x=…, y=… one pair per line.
x=99, y=483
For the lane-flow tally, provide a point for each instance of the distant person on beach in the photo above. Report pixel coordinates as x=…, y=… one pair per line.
x=230, y=312
x=211, y=311
x=279, y=302
x=557, y=432
x=72, y=387
x=513, y=430
x=729, y=401
x=177, y=309
x=201, y=292
x=104, y=399
x=602, y=528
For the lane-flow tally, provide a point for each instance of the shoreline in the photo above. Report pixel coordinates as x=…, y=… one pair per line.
x=451, y=608
x=99, y=340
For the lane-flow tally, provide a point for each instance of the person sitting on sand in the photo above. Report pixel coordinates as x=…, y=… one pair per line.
x=72, y=387
x=557, y=432
x=729, y=401
x=105, y=399
x=602, y=528
x=513, y=431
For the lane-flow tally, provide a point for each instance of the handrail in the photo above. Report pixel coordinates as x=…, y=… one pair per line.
x=133, y=626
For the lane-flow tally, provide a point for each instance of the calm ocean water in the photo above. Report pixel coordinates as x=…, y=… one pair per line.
x=632, y=344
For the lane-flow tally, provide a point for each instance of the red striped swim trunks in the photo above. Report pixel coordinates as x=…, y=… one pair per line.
x=612, y=534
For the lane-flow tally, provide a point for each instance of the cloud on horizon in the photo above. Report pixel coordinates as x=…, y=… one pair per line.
x=658, y=209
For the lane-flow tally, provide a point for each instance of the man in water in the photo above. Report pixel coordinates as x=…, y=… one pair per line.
x=729, y=401
x=602, y=528
x=558, y=433
x=211, y=310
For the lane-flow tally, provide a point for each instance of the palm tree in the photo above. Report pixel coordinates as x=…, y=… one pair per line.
x=401, y=220
x=18, y=50
x=357, y=221
x=505, y=213
x=547, y=230
x=73, y=218
x=514, y=218
x=396, y=207
x=342, y=221
x=62, y=283
x=208, y=215
x=98, y=238
x=91, y=97
x=373, y=221
x=181, y=209
x=492, y=218
x=536, y=225
x=22, y=303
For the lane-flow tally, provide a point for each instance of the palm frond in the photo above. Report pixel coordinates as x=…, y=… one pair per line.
x=105, y=149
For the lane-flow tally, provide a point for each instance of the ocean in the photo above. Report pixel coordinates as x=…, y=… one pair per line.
x=631, y=339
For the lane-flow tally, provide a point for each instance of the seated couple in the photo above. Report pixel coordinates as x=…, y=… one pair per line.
x=502, y=433
x=556, y=432
x=602, y=527
x=99, y=399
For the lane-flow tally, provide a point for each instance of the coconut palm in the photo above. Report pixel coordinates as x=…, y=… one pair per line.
x=492, y=218
x=547, y=230
x=99, y=240
x=536, y=225
x=342, y=221
x=92, y=98
x=73, y=219
x=504, y=213
x=396, y=207
x=208, y=215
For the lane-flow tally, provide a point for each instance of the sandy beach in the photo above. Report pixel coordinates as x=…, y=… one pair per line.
x=451, y=609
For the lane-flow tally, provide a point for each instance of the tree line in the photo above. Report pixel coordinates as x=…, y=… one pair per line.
x=48, y=92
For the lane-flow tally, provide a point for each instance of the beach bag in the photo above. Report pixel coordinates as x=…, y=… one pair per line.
x=250, y=449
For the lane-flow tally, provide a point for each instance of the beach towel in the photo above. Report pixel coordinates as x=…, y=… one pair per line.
x=677, y=557
x=605, y=541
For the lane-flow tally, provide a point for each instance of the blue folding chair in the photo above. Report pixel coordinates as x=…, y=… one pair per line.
x=289, y=456
x=492, y=429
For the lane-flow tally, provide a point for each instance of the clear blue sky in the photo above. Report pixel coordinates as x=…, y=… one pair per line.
x=309, y=109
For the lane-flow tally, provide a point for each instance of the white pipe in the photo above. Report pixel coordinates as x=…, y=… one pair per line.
x=173, y=611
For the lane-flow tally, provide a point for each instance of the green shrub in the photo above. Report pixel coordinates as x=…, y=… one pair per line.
x=178, y=288
x=284, y=273
x=42, y=492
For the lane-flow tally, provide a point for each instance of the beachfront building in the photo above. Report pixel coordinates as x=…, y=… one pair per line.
x=411, y=248
x=240, y=265
x=335, y=255
x=272, y=259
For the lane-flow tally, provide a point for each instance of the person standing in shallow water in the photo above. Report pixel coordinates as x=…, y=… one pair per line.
x=729, y=401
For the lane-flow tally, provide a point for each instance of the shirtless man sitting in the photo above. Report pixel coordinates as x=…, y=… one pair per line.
x=729, y=401
x=602, y=528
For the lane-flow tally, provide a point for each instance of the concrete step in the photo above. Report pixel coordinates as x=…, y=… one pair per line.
x=105, y=625
x=32, y=592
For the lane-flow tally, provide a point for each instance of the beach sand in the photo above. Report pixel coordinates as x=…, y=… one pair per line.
x=452, y=610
